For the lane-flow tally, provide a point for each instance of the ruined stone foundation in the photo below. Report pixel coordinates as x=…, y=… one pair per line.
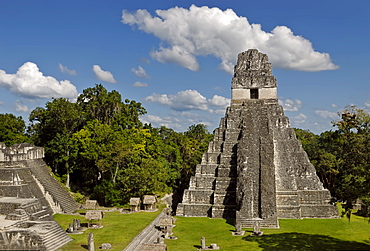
x=255, y=168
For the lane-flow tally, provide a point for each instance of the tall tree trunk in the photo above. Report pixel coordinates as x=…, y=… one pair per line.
x=67, y=167
x=68, y=180
x=115, y=174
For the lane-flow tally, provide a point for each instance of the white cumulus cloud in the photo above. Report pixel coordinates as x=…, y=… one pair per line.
x=326, y=114
x=29, y=82
x=105, y=76
x=219, y=101
x=299, y=119
x=181, y=101
x=140, y=72
x=169, y=122
x=201, y=31
x=139, y=84
x=20, y=107
x=188, y=100
x=290, y=105
x=64, y=69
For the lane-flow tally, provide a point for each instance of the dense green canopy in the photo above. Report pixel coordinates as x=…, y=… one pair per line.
x=98, y=147
x=342, y=156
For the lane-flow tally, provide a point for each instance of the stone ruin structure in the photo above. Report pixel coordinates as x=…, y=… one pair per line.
x=29, y=196
x=255, y=168
x=149, y=202
x=135, y=204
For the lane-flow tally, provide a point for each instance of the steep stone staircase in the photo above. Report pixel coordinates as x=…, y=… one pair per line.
x=271, y=222
x=52, y=186
x=53, y=236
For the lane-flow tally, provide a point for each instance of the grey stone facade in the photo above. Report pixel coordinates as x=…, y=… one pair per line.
x=255, y=168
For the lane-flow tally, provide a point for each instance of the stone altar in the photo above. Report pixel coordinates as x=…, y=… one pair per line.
x=255, y=168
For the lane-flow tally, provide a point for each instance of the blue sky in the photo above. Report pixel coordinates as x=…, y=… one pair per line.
x=176, y=57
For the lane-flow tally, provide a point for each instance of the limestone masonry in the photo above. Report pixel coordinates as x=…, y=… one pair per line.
x=255, y=168
x=29, y=196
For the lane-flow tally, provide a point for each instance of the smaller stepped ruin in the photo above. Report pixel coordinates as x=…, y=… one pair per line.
x=29, y=196
x=255, y=168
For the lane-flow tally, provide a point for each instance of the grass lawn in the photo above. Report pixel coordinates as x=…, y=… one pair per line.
x=118, y=229
x=306, y=234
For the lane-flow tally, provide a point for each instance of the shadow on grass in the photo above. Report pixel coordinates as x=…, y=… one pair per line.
x=299, y=241
x=230, y=222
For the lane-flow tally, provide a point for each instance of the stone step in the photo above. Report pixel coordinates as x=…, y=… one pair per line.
x=264, y=223
x=223, y=211
x=53, y=236
x=206, y=169
x=226, y=171
x=224, y=198
x=197, y=210
x=54, y=188
x=211, y=158
x=201, y=182
x=225, y=184
x=41, y=215
x=197, y=196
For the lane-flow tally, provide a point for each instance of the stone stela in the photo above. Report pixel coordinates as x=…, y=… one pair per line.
x=203, y=245
x=255, y=168
x=90, y=242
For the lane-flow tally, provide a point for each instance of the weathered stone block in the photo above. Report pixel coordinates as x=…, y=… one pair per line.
x=224, y=198
x=223, y=211
x=206, y=169
x=210, y=157
x=314, y=197
x=223, y=171
x=197, y=210
x=319, y=211
x=198, y=196
x=229, y=147
x=225, y=183
x=202, y=182
x=289, y=212
x=215, y=146
x=285, y=198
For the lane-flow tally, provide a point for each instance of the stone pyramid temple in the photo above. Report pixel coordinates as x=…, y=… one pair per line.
x=29, y=196
x=255, y=168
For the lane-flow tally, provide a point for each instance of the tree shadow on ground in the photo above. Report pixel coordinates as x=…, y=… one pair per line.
x=299, y=241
